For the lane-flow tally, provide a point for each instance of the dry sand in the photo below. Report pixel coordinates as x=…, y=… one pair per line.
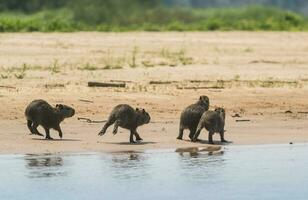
x=257, y=75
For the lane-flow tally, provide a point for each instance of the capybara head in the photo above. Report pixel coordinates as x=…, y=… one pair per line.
x=143, y=117
x=204, y=101
x=65, y=111
x=221, y=112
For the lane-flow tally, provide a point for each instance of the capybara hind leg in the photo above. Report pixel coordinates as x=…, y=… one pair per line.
x=34, y=128
x=195, y=138
x=192, y=133
x=138, y=138
x=29, y=124
x=181, y=132
x=103, y=131
x=116, y=126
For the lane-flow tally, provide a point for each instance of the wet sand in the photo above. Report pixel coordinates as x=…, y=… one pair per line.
x=259, y=76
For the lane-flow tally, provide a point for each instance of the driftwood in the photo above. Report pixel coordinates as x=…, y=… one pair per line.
x=303, y=112
x=99, y=84
x=161, y=82
x=8, y=87
x=198, y=88
x=242, y=120
x=265, y=61
x=90, y=121
x=87, y=101
x=121, y=81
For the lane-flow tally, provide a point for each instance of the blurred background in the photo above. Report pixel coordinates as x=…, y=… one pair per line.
x=152, y=15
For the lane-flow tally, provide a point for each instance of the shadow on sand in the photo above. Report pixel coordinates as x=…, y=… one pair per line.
x=207, y=142
x=128, y=143
x=56, y=140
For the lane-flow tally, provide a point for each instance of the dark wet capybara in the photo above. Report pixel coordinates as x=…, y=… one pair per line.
x=191, y=115
x=39, y=112
x=213, y=122
x=127, y=117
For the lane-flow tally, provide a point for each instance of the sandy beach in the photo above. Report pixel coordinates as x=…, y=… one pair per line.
x=260, y=76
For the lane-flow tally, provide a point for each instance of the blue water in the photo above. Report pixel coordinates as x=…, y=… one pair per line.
x=239, y=172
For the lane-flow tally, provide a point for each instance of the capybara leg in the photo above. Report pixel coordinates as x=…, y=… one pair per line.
x=34, y=128
x=47, y=134
x=59, y=131
x=29, y=124
x=131, y=137
x=138, y=138
x=195, y=138
x=222, y=137
x=116, y=126
x=181, y=131
x=192, y=133
x=103, y=131
x=211, y=138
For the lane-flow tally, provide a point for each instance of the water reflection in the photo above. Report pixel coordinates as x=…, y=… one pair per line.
x=44, y=166
x=199, y=163
x=125, y=164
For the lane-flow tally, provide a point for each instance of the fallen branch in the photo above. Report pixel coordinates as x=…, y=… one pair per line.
x=161, y=82
x=242, y=120
x=8, y=87
x=87, y=101
x=265, y=61
x=198, y=88
x=99, y=84
x=90, y=121
x=303, y=112
x=121, y=81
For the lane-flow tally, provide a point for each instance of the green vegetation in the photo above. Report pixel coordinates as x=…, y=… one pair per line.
x=131, y=17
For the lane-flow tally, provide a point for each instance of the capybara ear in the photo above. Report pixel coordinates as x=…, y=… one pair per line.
x=143, y=111
x=137, y=109
x=200, y=98
x=60, y=106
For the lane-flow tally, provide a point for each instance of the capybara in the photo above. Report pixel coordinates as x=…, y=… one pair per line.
x=39, y=112
x=127, y=117
x=214, y=122
x=191, y=115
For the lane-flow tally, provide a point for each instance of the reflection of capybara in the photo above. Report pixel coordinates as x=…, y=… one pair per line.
x=191, y=115
x=39, y=112
x=214, y=122
x=126, y=117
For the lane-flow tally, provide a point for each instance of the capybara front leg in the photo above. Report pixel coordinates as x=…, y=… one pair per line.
x=59, y=131
x=47, y=134
x=222, y=137
x=211, y=138
x=131, y=137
